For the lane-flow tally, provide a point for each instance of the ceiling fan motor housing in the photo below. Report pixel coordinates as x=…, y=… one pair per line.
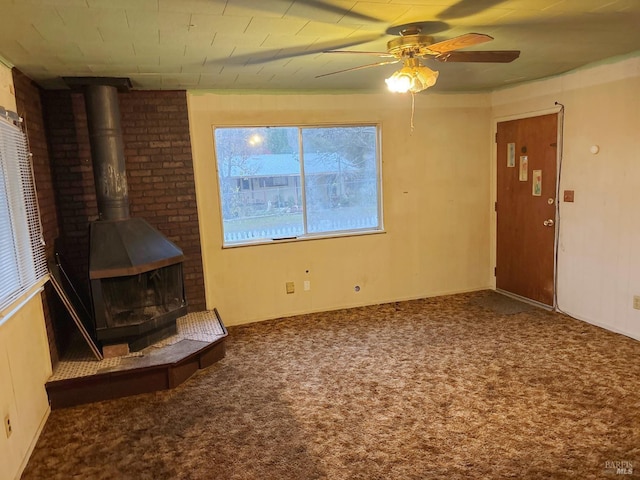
x=410, y=45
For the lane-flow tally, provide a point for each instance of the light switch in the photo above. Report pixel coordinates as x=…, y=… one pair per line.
x=568, y=196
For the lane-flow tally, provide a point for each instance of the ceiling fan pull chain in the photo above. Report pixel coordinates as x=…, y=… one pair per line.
x=413, y=109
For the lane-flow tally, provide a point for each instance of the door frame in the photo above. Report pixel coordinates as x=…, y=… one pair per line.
x=493, y=240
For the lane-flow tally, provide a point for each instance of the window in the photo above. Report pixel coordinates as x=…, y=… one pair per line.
x=310, y=181
x=22, y=257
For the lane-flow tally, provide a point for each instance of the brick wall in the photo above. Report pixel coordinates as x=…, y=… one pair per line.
x=159, y=166
x=155, y=126
x=72, y=175
x=29, y=107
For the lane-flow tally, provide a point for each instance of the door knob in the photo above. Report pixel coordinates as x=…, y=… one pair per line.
x=548, y=223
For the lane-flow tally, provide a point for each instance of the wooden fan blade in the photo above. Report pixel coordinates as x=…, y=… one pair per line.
x=462, y=41
x=358, y=68
x=492, y=56
x=379, y=54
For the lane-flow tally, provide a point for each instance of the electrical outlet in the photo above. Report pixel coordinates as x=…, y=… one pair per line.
x=291, y=287
x=636, y=302
x=7, y=426
x=307, y=285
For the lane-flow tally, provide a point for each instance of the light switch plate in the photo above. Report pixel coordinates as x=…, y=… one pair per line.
x=568, y=196
x=291, y=288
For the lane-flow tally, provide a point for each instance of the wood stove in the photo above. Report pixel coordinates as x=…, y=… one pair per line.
x=136, y=282
x=135, y=272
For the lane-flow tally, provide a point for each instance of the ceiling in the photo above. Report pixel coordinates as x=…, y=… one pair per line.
x=279, y=44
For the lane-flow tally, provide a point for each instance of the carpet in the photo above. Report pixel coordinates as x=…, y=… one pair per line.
x=438, y=388
x=501, y=304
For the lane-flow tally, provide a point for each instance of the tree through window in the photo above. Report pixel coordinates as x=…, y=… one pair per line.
x=296, y=182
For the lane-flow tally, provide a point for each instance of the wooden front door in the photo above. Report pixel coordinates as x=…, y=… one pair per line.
x=526, y=207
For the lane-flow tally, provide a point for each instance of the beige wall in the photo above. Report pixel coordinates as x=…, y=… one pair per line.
x=25, y=364
x=436, y=207
x=24, y=369
x=598, y=258
x=7, y=94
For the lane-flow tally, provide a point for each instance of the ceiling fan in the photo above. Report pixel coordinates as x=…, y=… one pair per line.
x=412, y=46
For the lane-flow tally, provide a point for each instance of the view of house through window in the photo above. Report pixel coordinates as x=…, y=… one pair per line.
x=292, y=182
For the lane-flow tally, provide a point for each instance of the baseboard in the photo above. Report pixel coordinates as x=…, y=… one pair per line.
x=440, y=293
x=544, y=306
x=33, y=443
x=610, y=328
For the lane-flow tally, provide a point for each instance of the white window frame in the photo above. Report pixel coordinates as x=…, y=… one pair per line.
x=314, y=235
x=22, y=255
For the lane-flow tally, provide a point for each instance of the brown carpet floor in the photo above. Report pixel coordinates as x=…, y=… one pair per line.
x=441, y=388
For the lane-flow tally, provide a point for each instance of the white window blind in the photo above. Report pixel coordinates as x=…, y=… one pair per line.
x=22, y=256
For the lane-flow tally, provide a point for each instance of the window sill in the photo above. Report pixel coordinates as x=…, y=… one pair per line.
x=15, y=306
x=321, y=236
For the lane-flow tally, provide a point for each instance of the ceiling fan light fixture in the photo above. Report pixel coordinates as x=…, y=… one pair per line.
x=425, y=78
x=400, y=81
x=412, y=77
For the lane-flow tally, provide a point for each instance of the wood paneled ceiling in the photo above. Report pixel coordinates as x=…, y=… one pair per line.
x=279, y=44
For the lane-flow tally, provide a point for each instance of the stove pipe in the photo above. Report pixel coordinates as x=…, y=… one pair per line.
x=107, y=151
